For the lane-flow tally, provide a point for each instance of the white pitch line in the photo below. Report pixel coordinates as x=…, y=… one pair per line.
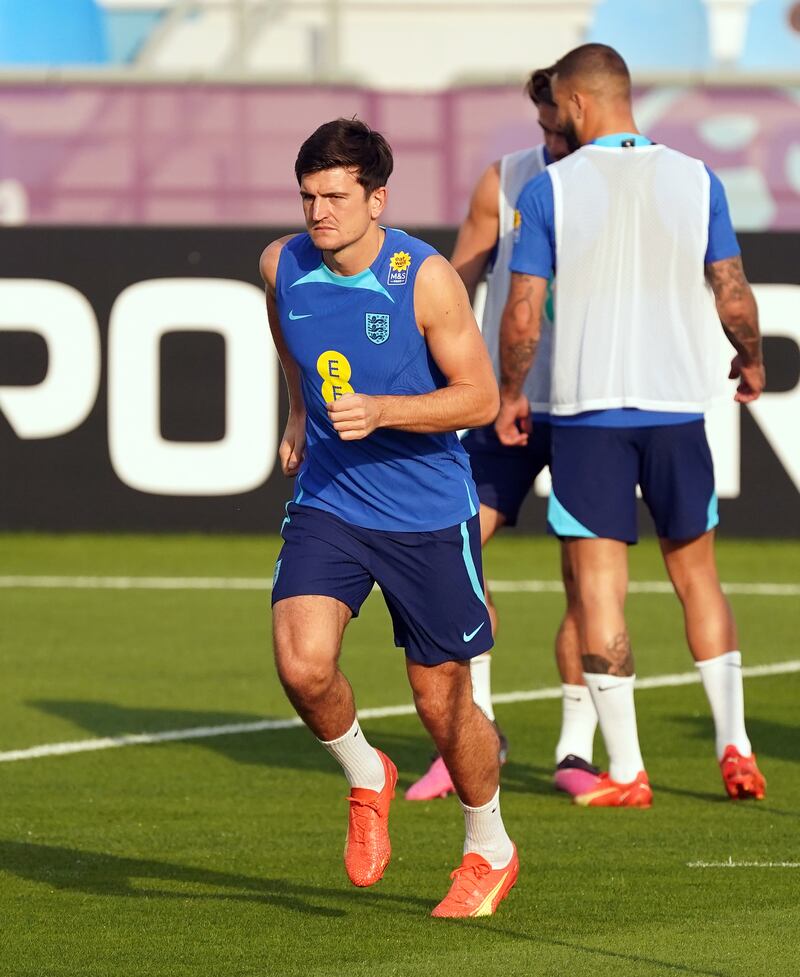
x=381, y=712
x=21, y=582
x=731, y=864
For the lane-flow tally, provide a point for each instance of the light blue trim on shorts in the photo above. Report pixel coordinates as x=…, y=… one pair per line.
x=299, y=492
x=563, y=523
x=472, y=510
x=713, y=512
x=469, y=563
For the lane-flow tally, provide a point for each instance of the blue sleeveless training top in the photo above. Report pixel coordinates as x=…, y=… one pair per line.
x=358, y=334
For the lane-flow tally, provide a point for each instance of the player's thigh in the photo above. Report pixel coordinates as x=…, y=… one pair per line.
x=504, y=475
x=319, y=583
x=433, y=586
x=595, y=471
x=677, y=480
x=307, y=634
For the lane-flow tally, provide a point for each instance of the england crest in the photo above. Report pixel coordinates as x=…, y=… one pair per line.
x=377, y=326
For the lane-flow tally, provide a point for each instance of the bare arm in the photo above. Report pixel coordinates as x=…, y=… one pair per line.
x=738, y=314
x=479, y=232
x=470, y=398
x=520, y=329
x=292, y=447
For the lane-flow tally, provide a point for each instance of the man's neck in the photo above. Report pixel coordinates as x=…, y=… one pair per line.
x=610, y=126
x=358, y=256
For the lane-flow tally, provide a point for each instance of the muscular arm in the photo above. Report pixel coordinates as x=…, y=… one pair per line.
x=520, y=329
x=738, y=314
x=479, y=232
x=470, y=398
x=292, y=446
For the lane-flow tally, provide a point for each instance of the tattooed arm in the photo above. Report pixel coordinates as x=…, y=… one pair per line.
x=738, y=313
x=520, y=329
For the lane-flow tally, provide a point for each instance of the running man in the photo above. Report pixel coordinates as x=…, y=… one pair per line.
x=634, y=229
x=383, y=362
x=505, y=475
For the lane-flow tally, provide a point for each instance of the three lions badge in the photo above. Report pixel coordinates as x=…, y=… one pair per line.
x=377, y=326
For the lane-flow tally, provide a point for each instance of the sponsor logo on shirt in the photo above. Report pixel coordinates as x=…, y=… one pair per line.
x=335, y=370
x=399, y=263
x=517, y=225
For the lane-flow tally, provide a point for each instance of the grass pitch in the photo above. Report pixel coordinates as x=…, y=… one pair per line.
x=222, y=856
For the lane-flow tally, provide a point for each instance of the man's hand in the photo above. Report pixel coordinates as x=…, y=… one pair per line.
x=513, y=424
x=355, y=416
x=293, y=445
x=751, y=379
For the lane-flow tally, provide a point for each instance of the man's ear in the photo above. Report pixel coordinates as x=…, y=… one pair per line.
x=579, y=103
x=377, y=202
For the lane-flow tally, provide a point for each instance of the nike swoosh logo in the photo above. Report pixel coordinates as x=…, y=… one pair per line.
x=606, y=688
x=471, y=635
x=306, y=315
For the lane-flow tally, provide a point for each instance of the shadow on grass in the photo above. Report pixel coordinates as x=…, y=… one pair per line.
x=95, y=873
x=291, y=749
x=769, y=738
x=654, y=966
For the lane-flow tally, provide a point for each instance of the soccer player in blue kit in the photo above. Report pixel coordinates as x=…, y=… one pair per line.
x=636, y=230
x=384, y=363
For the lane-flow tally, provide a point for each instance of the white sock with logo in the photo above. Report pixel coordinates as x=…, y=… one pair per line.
x=613, y=699
x=578, y=723
x=486, y=833
x=480, y=671
x=722, y=681
x=361, y=764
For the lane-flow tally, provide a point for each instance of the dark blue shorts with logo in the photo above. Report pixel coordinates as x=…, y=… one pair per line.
x=432, y=582
x=596, y=470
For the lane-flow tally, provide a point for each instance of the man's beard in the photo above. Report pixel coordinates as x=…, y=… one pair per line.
x=570, y=135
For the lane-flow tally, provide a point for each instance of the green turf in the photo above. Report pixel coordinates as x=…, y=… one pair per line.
x=223, y=856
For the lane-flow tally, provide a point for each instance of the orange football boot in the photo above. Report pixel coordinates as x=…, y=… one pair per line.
x=477, y=888
x=608, y=793
x=367, y=849
x=741, y=776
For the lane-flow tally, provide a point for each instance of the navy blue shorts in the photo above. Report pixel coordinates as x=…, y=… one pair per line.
x=504, y=474
x=432, y=582
x=596, y=470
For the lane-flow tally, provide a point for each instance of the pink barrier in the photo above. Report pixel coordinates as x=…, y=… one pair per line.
x=224, y=154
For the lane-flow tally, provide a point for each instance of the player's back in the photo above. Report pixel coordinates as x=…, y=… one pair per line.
x=359, y=334
x=631, y=303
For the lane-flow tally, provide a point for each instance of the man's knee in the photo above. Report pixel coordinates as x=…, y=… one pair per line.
x=438, y=689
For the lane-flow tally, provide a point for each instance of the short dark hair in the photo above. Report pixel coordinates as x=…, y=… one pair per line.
x=351, y=144
x=594, y=61
x=537, y=87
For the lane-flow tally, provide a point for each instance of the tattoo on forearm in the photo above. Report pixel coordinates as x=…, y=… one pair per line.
x=515, y=361
x=517, y=354
x=616, y=660
x=736, y=305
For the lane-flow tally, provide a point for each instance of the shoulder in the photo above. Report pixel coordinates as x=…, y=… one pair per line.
x=537, y=191
x=400, y=243
x=271, y=256
x=485, y=194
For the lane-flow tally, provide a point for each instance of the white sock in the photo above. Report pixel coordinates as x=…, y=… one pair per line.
x=361, y=764
x=480, y=671
x=578, y=723
x=613, y=699
x=722, y=680
x=486, y=833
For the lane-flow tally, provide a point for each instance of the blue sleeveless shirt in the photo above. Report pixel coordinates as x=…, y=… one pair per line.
x=358, y=334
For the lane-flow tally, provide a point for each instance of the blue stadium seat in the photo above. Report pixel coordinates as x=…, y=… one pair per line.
x=651, y=34
x=43, y=32
x=771, y=43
